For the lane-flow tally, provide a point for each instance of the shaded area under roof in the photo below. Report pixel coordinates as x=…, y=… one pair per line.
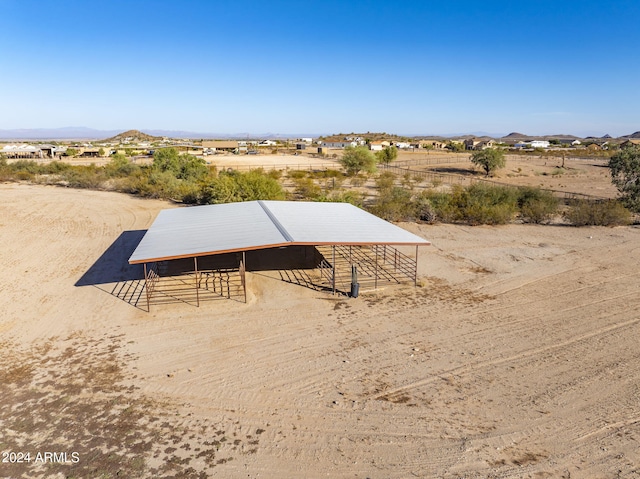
x=233, y=227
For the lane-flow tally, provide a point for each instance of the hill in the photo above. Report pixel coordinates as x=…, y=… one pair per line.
x=132, y=135
x=632, y=136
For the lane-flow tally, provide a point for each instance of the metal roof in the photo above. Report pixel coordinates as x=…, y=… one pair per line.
x=215, y=229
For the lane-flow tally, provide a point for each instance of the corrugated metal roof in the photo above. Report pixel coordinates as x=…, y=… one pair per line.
x=214, y=229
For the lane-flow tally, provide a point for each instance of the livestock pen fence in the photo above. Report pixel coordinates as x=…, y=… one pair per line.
x=452, y=179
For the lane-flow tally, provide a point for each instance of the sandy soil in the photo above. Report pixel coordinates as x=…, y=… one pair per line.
x=517, y=357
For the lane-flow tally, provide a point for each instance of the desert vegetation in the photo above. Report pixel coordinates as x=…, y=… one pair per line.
x=188, y=179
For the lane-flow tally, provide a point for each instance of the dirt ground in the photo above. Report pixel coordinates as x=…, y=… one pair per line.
x=516, y=357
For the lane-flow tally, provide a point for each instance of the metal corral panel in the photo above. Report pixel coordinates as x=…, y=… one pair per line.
x=337, y=223
x=214, y=229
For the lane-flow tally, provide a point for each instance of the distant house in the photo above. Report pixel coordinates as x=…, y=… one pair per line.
x=570, y=142
x=436, y=145
x=89, y=152
x=216, y=146
x=376, y=146
x=267, y=143
x=478, y=144
x=402, y=145
x=629, y=143
x=539, y=144
x=483, y=145
x=470, y=143
x=339, y=144
x=21, y=151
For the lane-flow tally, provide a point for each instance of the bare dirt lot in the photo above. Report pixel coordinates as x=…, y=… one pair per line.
x=516, y=357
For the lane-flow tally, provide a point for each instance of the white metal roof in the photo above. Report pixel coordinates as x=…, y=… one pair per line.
x=214, y=229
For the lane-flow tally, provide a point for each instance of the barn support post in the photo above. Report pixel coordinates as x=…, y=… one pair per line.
x=333, y=264
x=415, y=272
x=195, y=265
x=375, y=274
x=244, y=275
x=146, y=289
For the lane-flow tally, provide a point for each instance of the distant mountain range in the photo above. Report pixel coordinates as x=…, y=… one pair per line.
x=82, y=133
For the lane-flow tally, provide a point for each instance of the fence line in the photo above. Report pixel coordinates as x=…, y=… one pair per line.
x=451, y=179
x=308, y=167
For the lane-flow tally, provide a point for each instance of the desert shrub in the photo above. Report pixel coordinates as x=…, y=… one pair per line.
x=625, y=175
x=189, y=192
x=184, y=167
x=27, y=166
x=55, y=167
x=234, y=186
x=597, y=213
x=344, y=196
x=536, y=205
x=306, y=188
x=357, y=180
x=22, y=176
x=486, y=204
x=71, y=152
x=333, y=183
x=83, y=177
x=424, y=209
x=356, y=159
x=409, y=181
x=329, y=173
x=394, y=204
x=441, y=204
x=476, y=204
x=275, y=174
x=296, y=174
x=155, y=184
x=120, y=166
x=385, y=181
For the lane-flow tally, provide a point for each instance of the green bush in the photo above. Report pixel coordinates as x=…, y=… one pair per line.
x=305, y=188
x=486, y=204
x=156, y=184
x=235, y=186
x=597, y=213
x=296, y=174
x=394, y=204
x=344, y=196
x=120, y=166
x=385, y=181
x=442, y=204
x=184, y=167
x=536, y=205
x=424, y=209
x=474, y=205
x=81, y=176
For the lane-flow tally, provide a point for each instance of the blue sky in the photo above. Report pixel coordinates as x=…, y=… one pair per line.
x=406, y=67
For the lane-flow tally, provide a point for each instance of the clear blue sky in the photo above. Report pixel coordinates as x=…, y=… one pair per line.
x=406, y=67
